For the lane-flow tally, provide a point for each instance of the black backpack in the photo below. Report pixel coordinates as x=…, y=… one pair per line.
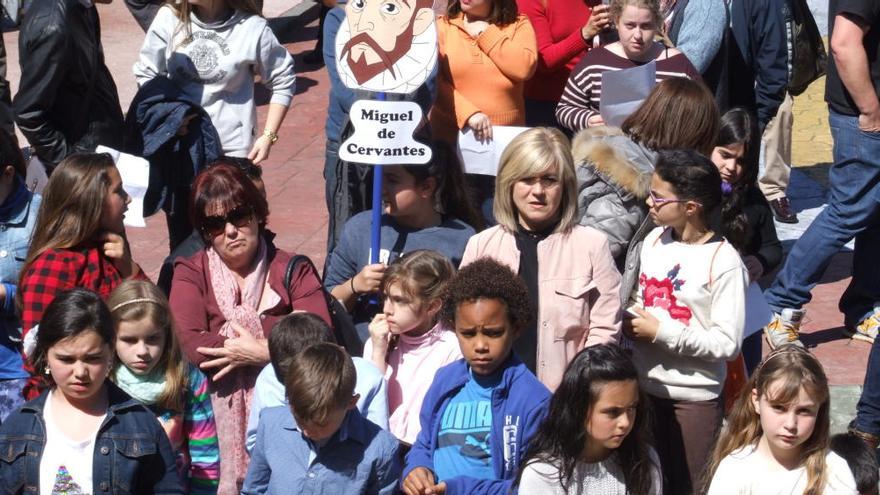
x=807, y=58
x=343, y=327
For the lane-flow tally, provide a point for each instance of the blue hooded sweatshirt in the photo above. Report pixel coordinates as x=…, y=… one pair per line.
x=519, y=404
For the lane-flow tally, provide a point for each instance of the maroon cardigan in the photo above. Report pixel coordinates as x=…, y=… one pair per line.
x=199, y=318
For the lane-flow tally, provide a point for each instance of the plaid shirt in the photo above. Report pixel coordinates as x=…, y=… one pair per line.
x=59, y=269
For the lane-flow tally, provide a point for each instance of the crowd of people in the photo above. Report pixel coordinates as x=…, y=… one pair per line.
x=590, y=319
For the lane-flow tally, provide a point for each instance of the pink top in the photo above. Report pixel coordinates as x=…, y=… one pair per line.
x=410, y=370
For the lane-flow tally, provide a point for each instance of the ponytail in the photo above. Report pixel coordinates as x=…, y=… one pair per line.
x=695, y=178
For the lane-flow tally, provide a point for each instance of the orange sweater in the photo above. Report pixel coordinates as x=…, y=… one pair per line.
x=483, y=74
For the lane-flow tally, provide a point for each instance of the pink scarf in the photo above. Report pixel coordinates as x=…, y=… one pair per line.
x=231, y=396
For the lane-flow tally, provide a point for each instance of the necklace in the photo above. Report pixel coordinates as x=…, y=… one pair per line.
x=699, y=240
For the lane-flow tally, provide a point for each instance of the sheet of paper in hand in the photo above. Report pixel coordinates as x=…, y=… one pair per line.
x=483, y=158
x=383, y=134
x=386, y=46
x=623, y=91
x=135, y=174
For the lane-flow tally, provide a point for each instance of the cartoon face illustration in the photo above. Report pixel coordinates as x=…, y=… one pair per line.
x=386, y=45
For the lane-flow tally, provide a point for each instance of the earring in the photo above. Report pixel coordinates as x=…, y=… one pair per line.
x=46, y=371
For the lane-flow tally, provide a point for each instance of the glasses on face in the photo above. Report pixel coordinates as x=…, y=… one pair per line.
x=546, y=181
x=239, y=216
x=659, y=202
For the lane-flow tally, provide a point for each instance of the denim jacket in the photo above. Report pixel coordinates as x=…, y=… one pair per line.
x=17, y=220
x=132, y=453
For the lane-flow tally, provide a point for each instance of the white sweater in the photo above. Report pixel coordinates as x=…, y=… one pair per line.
x=697, y=291
x=596, y=478
x=216, y=67
x=744, y=472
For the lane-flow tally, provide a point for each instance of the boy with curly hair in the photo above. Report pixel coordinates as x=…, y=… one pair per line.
x=481, y=411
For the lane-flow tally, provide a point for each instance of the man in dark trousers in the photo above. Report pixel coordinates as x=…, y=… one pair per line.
x=67, y=100
x=853, y=210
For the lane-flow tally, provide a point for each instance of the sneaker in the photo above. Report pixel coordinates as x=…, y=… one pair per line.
x=866, y=330
x=784, y=328
x=782, y=210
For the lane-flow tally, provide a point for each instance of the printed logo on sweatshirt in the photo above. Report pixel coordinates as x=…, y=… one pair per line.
x=204, y=50
x=510, y=432
x=467, y=425
x=661, y=294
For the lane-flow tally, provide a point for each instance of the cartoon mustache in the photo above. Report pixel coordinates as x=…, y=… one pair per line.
x=365, y=38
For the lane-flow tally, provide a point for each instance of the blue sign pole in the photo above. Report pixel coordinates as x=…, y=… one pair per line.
x=376, y=225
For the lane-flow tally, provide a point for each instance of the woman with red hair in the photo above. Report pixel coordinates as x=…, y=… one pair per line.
x=227, y=297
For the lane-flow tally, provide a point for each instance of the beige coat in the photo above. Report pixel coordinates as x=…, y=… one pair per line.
x=578, y=288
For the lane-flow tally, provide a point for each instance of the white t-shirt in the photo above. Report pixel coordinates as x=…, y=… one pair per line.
x=594, y=478
x=744, y=472
x=66, y=465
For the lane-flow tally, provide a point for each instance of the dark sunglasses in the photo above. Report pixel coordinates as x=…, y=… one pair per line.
x=239, y=216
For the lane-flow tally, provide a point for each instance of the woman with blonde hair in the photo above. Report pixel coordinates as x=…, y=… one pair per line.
x=567, y=268
x=212, y=50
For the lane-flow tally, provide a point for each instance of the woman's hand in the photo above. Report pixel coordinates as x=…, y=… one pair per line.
x=754, y=267
x=241, y=350
x=475, y=28
x=595, y=120
x=380, y=336
x=368, y=280
x=642, y=327
x=481, y=126
x=600, y=20
x=116, y=248
x=260, y=151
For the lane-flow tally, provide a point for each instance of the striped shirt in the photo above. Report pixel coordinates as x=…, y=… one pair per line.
x=581, y=97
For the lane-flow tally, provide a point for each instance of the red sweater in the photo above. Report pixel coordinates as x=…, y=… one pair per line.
x=199, y=318
x=557, y=25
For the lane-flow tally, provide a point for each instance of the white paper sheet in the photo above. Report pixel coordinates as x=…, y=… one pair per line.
x=623, y=91
x=483, y=158
x=135, y=173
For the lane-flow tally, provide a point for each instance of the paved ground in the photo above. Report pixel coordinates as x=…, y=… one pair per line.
x=295, y=184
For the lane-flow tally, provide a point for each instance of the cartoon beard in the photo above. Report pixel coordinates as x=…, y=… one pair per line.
x=363, y=71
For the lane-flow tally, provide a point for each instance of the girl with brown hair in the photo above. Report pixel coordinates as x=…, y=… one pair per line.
x=79, y=239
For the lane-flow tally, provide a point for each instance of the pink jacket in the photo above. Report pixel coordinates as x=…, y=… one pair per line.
x=578, y=288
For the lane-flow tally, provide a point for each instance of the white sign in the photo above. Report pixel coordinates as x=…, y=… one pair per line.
x=135, y=174
x=483, y=157
x=383, y=134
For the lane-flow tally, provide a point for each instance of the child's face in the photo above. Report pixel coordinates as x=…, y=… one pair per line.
x=664, y=206
x=786, y=426
x=484, y=333
x=115, y=204
x=401, y=196
x=79, y=365
x=318, y=432
x=612, y=416
x=139, y=345
x=403, y=313
x=728, y=160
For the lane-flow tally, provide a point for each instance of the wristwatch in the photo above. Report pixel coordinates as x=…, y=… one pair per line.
x=273, y=136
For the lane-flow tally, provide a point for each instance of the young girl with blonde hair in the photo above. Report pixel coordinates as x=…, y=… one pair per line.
x=776, y=439
x=151, y=368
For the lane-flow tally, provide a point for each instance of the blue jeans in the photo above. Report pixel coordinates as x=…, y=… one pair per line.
x=853, y=211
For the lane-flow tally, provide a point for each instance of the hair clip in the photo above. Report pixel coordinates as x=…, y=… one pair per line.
x=726, y=188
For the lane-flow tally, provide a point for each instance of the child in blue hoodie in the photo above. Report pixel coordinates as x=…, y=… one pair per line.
x=481, y=411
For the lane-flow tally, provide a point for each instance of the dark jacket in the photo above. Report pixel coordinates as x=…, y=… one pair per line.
x=762, y=241
x=154, y=117
x=132, y=453
x=519, y=405
x=758, y=57
x=67, y=100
